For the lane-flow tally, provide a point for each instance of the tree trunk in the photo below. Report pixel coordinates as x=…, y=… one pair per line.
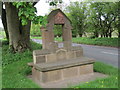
x=101, y=35
x=118, y=34
x=18, y=34
x=110, y=34
x=106, y=33
x=96, y=34
x=80, y=35
x=26, y=34
x=118, y=31
x=4, y=21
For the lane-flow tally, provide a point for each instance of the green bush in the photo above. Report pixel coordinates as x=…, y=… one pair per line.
x=57, y=30
x=35, y=30
x=106, y=69
x=8, y=57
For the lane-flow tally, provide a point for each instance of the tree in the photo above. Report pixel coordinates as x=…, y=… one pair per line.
x=18, y=21
x=95, y=20
x=77, y=14
x=102, y=17
x=117, y=21
x=18, y=28
x=110, y=17
x=35, y=30
x=57, y=30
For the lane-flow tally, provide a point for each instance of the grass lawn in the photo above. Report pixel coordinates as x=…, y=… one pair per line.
x=110, y=82
x=0, y=68
x=15, y=71
x=97, y=41
x=113, y=42
x=15, y=68
x=35, y=37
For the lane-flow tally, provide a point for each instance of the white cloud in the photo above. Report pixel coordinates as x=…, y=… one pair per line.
x=43, y=7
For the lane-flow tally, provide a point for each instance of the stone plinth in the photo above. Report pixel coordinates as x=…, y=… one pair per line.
x=44, y=56
x=60, y=70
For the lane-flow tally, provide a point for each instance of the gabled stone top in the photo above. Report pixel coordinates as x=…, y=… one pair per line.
x=54, y=13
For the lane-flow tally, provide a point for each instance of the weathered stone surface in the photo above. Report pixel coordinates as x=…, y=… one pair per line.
x=71, y=54
x=63, y=64
x=67, y=34
x=67, y=45
x=75, y=48
x=51, y=58
x=70, y=72
x=59, y=18
x=86, y=69
x=36, y=75
x=51, y=76
x=58, y=13
x=73, y=81
x=30, y=64
x=41, y=52
x=53, y=47
x=61, y=54
x=47, y=38
x=39, y=59
x=79, y=53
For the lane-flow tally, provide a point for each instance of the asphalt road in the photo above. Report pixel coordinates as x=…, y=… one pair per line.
x=107, y=55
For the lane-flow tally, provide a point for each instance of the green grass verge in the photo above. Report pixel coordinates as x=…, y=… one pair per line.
x=109, y=82
x=0, y=67
x=35, y=37
x=15, y=71
x=113, y=42
x=14, y=75
x=8, y=57
x=15, y=68
x=97, y=41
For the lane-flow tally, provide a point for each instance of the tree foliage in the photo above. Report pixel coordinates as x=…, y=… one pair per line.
x=77, y=14
x=26, y=11
x=103, y=16
x=98, y=18
x=17, y=18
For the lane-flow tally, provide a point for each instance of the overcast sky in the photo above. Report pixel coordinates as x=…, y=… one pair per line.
x=43, y=7
x=1, y=23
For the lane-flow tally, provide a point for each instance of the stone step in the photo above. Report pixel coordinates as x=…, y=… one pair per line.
x=63, y=64
x=30, y=64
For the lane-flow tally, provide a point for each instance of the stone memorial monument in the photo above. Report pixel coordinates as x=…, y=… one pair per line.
x=54, y=64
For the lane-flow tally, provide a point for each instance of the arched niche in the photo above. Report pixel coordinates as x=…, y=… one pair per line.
x=56, y=17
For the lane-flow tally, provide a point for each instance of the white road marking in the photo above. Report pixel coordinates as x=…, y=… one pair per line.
x=110, y=53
